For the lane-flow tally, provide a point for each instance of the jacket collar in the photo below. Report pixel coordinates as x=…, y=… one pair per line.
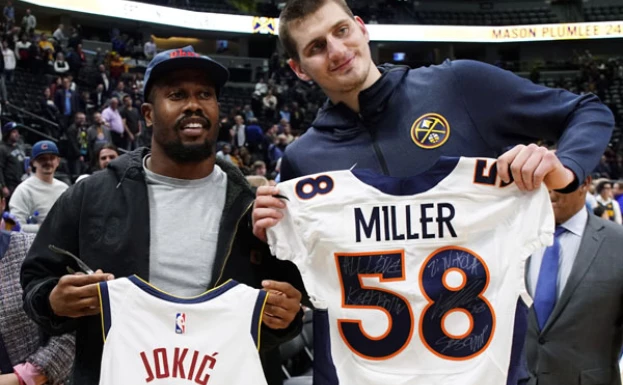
x=130, y=166
x=372, y=101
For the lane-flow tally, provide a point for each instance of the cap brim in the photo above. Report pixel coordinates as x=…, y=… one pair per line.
x=216, y=72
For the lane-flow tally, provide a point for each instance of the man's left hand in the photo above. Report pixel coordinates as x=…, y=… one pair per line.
x=532, y=165
x=282, y=305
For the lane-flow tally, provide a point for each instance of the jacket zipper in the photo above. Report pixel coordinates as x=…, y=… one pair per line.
x=231, y=243
x=377, y=149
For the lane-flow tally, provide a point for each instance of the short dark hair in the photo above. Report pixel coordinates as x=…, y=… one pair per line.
x=297, y=10
x=601, y=185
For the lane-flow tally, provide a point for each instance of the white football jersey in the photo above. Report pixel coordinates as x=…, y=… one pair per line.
x=155, y=338
x=415, y=280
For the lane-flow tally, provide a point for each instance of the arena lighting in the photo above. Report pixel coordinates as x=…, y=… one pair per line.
x=217, y=22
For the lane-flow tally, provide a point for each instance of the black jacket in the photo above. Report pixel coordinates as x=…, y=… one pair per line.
x=105, y=220
x=11, y=166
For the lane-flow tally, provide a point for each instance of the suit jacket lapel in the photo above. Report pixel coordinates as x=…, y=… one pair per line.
x=589, y=246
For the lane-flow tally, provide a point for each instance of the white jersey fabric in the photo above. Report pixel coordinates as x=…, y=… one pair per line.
x=416, y=280
x=155, y=338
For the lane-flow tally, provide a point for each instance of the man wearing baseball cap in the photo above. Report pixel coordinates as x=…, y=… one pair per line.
x=173, y=215
x=34, y=197
x=11, y=159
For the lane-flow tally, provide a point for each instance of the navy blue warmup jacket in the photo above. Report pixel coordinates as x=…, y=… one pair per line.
x=474, y=109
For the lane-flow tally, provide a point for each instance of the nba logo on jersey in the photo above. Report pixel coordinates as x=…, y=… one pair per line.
x=180, y=323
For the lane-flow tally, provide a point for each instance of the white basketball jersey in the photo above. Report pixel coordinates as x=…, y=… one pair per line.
x=416, y=279
x=155, y=338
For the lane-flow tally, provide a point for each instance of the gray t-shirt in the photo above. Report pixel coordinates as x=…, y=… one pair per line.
x=184, y=224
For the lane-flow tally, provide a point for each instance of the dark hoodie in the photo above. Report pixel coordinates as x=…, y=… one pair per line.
x=486, y=110
x=104, y=219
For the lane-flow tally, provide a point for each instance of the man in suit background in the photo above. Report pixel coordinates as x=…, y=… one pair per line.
x=66, y=101
x=574, y=331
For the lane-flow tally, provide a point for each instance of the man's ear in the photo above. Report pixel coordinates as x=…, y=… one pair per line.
x=362, y=26
x=146, y=110
x=298, y=70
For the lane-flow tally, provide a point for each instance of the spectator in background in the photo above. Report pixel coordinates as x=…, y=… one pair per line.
x=117, y=66
x=254, y=136
x=67, y=103
x=131, y=121
x=103, y=79
x=33, y=198
x=76, y=59
x=73, y=154
x=104, y=155
x=34, y=357
x=29, y=23
x=59, y=34
x=98, y=135
x=22, y=51
x=113, y=119
x=269, y=103
x=284, y=113
x=150, y=49
x=9, y=15
x=119, y=91
x=604, y=199
x=261, y=88
x=11, y=159
x=45, y=44
x=259, y=168
x=248, y=113
x=98, y=97
x=10, y=62
x=239, y=134
x=297, y=116
x=61, y=67
x=74, y=38
x=225, y=153
x=46, y=103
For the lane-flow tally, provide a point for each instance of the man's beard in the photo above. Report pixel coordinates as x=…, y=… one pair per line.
x=187, y=153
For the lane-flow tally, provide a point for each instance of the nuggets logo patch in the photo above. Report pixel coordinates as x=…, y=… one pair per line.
x=430, y=131
x=180, y=323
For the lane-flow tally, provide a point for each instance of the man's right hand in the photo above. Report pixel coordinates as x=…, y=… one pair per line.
x=6, y=192
x=266, y=212
x=76, y=295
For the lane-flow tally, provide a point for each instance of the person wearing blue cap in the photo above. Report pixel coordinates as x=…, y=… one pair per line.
x=173, y=215
x=11, y=159
x=34, y=197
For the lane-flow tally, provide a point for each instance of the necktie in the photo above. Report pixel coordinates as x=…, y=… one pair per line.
x=546, y=286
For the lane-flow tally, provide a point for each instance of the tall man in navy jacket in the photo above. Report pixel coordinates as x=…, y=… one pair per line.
x=398, y=121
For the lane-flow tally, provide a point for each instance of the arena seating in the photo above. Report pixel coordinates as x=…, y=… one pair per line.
x=603, y=13
x=507, y=17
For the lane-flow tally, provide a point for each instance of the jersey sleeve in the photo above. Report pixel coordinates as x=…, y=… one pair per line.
x=285, y=238
x=538, y=221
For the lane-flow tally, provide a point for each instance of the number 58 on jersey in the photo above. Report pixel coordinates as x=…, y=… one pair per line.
x=415, y=280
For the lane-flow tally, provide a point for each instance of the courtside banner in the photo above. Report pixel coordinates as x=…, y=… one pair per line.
x=218, y=22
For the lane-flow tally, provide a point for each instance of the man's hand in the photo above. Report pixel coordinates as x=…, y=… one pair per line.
x=6, y=192
x=282, y=305
x=531, y=165
x=266, y=212
x=9, y=379
x=76, y=295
